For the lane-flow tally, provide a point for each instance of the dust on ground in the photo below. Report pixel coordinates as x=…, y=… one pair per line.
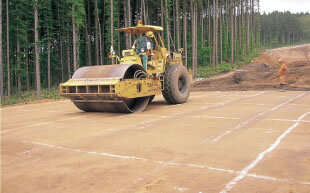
x=261, y=73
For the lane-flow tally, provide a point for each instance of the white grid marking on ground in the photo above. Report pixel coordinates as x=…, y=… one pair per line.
x=260, y=157
x=171, y=163
x=255, y=117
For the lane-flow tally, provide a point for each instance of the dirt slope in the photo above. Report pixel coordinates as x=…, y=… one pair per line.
x=261, y=73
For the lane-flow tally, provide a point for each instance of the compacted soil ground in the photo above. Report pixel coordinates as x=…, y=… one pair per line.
x=255, y=140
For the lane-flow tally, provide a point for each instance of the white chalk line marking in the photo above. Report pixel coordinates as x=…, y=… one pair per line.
x=212, y=117
x=197, y=103
x=260, y=157
x=169, y=106
x=228, y=101
x=39, y=124
x=255, y=117
x=181, y=189
x=34, y=150
x=199, y=96
x=100, y=133
x=26, y=163
x=218, y=104
x=258, y=104
x=221, y=117
x=169, y=163
x=262, y=104
x=288, y=120
x=24, y=110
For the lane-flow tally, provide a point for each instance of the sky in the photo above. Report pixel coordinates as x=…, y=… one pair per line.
x=293, y=6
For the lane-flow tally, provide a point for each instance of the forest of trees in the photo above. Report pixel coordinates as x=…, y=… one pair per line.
x=45, y=41
x=280, y=28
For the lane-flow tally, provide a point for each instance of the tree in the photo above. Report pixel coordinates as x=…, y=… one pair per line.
x=1, y=64
x=194, y=37
x=112, y=26
x=74, y=40
x=215, y=21
x=36, y=38
x=8, y=50
x=177, y=7
x=232, y=31
x=185, y=31
x=167, y=25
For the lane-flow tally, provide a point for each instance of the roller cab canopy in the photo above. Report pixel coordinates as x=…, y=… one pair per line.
x=141, y=29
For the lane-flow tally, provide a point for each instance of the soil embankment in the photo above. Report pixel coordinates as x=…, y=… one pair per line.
x=261, y=73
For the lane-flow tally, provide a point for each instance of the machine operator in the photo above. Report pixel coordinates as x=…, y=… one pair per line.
x=144, y=46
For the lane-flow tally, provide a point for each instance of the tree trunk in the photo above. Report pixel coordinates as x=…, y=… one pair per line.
x=174, y=26
x=19, y=78
x=89, y=50
x=248, y=28
x=227, y=28
x=216, y=36
x=194, y=37
x=8, y=50
x=185, y=31
x=209, y=31
x=129, y=20
x=1, y=61
x=77, y=35
x=253, y=24
x=202, y=28
x=236, y=30
x=127, y=45
x=221, y=34
x=49, y=64
x=232, y=31
x=36, y=38
x=242, y=29
x=27, y=69
x=112, y=26
x=68, y=59
x=118, y=32
x=102, y=33
x=74, y=41
x=214, y=33
x=168, y=26
x=61, y=62
x=96, y=36
x=88, y=44
x=162, y=16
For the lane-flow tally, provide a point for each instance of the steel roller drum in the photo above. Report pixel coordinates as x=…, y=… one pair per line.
x=121, y=71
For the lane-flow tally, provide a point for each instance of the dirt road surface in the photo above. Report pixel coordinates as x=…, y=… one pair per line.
x=234, y=141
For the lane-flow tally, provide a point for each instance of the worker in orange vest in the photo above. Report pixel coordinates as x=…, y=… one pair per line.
x=282, y=74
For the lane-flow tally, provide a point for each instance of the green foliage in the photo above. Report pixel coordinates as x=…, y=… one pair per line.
x=28, y=96
x=284, y=28
x=207, y=71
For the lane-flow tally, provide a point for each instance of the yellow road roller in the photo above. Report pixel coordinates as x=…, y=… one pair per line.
x=131, y=84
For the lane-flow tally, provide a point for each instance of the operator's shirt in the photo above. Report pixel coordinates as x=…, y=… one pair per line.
x=142, y=44
x=282, y=71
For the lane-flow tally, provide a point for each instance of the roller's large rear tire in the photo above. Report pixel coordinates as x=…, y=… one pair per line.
x=176, y=84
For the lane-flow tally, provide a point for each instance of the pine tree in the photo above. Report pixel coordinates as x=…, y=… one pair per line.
x=1, y=61
x=36, y=39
